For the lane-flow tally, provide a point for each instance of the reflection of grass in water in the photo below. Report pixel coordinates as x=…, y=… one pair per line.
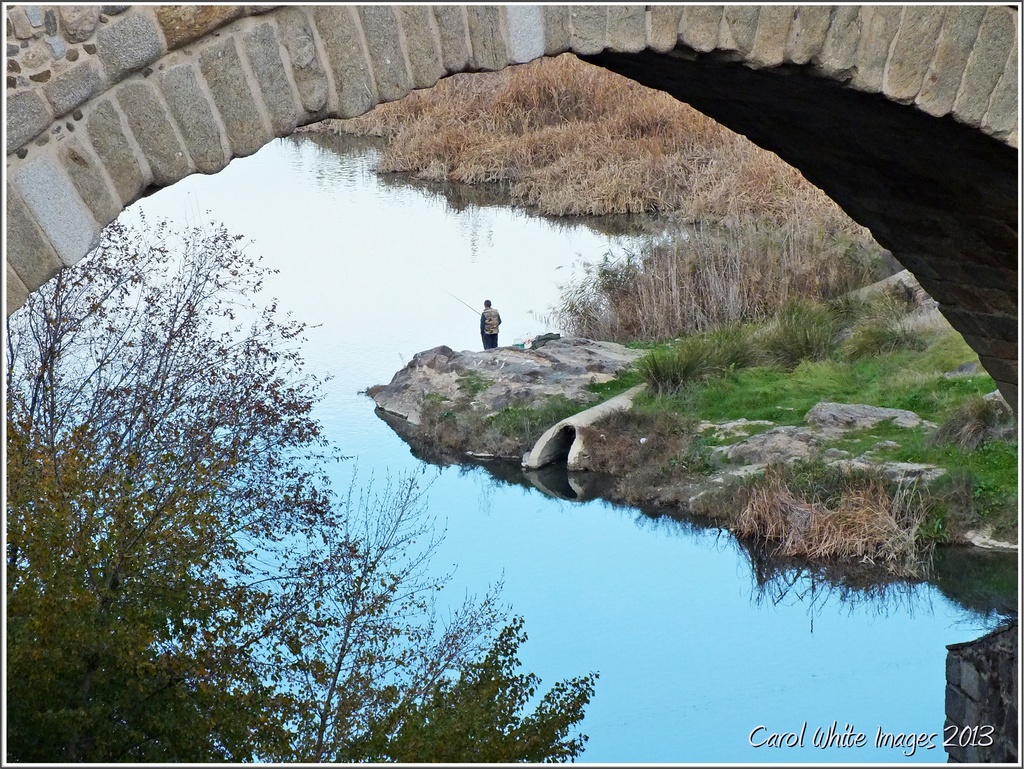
x=981, y=582
x=781, y=580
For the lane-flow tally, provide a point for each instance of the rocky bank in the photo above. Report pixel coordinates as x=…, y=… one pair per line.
x=485, y=382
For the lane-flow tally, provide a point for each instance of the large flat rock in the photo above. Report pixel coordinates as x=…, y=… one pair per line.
x=506, y=376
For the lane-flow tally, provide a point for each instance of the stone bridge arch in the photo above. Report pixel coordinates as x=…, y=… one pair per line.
x=907, y=116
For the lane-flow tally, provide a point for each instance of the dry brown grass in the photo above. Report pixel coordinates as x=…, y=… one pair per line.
x=975, y=422
x=867, y=525
x=574, y=139
x=713, y=278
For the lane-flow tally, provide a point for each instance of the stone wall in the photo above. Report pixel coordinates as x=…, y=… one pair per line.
x=60, y=57
x=981, y=699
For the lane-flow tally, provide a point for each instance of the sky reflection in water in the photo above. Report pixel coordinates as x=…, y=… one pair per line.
x=691, y=659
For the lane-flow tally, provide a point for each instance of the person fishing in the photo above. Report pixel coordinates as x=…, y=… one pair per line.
x=490, y=319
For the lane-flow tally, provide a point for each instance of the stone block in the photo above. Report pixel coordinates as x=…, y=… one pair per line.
x=557, y=29
x=627, y=28
x=700, y=25
x=739, y=25
x=78, y=22
x=342, y=39
x=128, y=45
x=878, y=27
x=773, y=23
x=1003, y=107
x=28, y=252
x=452, y=29
x=19, y=20
x=962, y=319
x=589, y=24
x=28, y=115
x=952, y=50
x=421, y=45
x=55, y=205
x=838, y=54
x=182, y=24
x=87, y=175
x=1004, y=371
x=387, y=60
x=36, y=57
x=233, y=96
x=57, y=46
x=525, y=26
x=486, y=43
x=310, y=76
x=664, y=32
x=194, y=117
x=991, y=301
x=956, y=704
x=952, y=670
x=911, y=52
x=995, y=348
x=111, y=145
x=152, y=128
x=17, y=291
x=73, y=88
x=262, y=48
x=981, y=275
x=985, y=65
x=967, y=320
x=971, y=682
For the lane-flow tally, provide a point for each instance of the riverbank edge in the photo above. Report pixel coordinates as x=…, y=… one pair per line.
x=674, y=500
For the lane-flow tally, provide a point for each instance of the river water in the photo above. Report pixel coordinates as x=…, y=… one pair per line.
x=697, y=663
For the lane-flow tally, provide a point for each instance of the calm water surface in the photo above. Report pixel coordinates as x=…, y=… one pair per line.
x=692, y=656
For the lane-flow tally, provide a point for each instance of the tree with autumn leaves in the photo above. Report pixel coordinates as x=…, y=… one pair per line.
x=183, y=585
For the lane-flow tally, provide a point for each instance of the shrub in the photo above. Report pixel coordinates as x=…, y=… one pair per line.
x=877, y=339
x=733, y=347
x=975, y=422
x=801, y=331
x=667, y=370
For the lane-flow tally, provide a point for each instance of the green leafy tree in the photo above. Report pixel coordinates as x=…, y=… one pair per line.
x=181, y=584
x=478, y=717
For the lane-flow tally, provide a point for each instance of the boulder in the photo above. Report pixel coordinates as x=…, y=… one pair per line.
x=780, y=444
x=854, y=416
x=506, y=376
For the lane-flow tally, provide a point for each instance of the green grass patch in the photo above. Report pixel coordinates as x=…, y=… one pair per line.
x=526, y=425
x=981, y=486
x=471, y=383
x=626, y=379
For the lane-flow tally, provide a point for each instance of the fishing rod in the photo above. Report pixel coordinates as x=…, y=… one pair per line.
x=475, y=311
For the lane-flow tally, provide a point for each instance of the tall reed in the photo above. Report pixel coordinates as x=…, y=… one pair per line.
x=713, y=278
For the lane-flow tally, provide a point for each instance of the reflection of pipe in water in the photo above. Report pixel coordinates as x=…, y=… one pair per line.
x=555, y=481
